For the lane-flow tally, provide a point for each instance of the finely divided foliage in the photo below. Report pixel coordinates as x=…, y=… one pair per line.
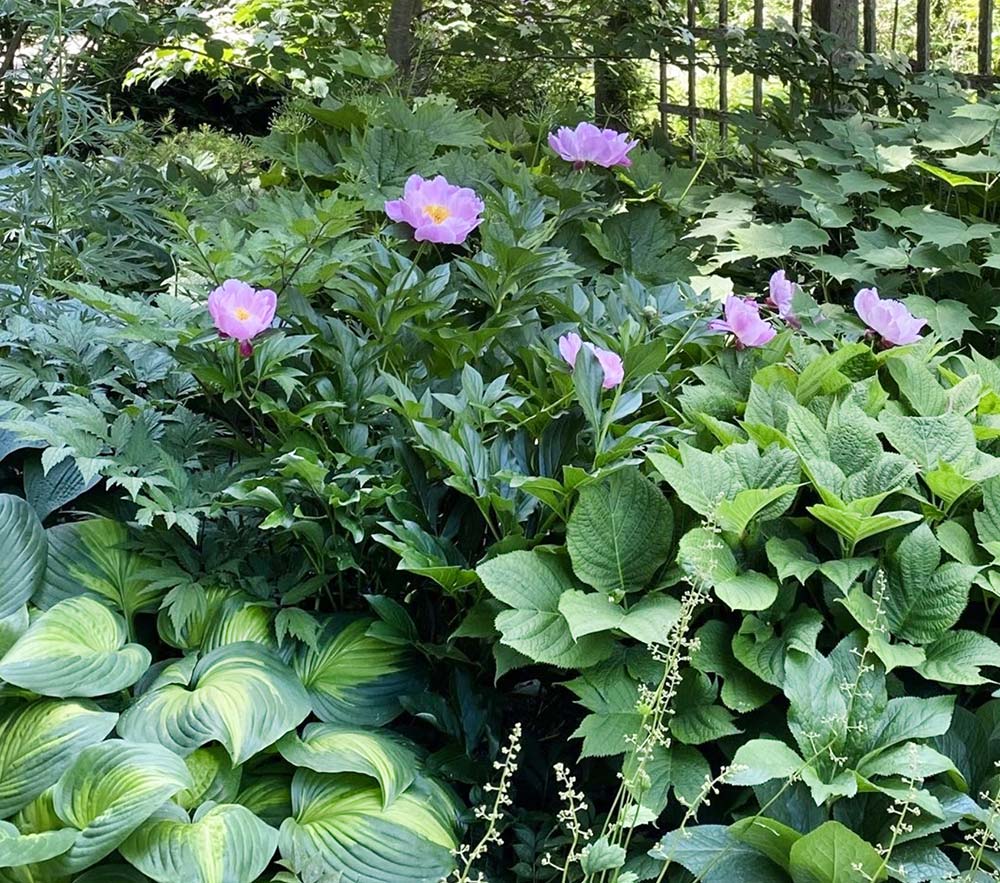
x=475, y=547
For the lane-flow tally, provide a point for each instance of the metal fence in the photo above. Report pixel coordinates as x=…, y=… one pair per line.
x=836, y=16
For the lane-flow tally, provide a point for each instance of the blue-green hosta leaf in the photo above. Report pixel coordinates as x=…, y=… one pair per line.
x=925, y=598
x=76, y=648
x=532, y=584
x=354, y=678
x=38, y=742
x=269, y=796
x=92, y=557
x=241, y=695
x=112, y=874
x=331, y=748
x=226, y=844
x=18, y=849
x=111, y=789
x=22, y=554
x=12, y=627
x=47, y=491
x=620, y=532
x=215, y=777
x=339, y=826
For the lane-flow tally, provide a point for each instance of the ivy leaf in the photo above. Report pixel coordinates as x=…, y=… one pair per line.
x=620, y=532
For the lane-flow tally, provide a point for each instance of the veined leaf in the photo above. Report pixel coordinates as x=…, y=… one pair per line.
x=47, y=491
x=91, y=557
x=735, y=515
x=833, y=853
x=111, y=789
x=22, y=554
x=354, y=678
x=39, y=741
x=226, y=844
x=339, y=826
x=216, y=778
x=620, y=532
x=241, y=695
x=18, y=849
x=330, y=748
x=76, y=648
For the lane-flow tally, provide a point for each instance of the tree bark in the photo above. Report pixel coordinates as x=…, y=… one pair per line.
x=399, y=33
x=612, y=104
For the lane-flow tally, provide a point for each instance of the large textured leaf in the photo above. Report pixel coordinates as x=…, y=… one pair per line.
x=715, y=855
x=355, y=678
x=532, y=584
x=620, y=532
x=241, y=695
x=39, y=741
x=215, y=778
x=92, y=557
x=924, y=599
x=226, y=844
x=77, y=648
x=47, y=491
x=18, y=849
x=330, y=748
x=22, y=554
x=339, y=826
x=931, y=441
x=833, y=854
x=111, y=789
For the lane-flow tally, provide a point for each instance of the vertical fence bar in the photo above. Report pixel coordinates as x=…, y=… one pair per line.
x=923, y=34
x=723, y=71
x=985, y=38
x=758, y=80
x=869, y=25
x=664, y=97
x=692, y=18
x=797, y=15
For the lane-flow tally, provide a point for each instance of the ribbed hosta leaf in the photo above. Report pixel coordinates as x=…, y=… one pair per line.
x=268, y=796
x=112, y=874
x=39, y=741
x=218, y=618
x=18, y=849
x=47, y=491
x=330, y=748
x=227, y=844
x=110, y=790
x=340, y=827
x=77, y=648
x=22, y=554
x=241, y=695
x=215, y=778
x=12, y=627
x=353, y=678
x=92, y=557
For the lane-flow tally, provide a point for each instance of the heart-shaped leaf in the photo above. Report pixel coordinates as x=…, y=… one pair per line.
x=22, y=554
x=226, y=844
x=111, y=789
x=330, y=748
x=354, y=678
x=76, y=648
x=339, y=826
x=38, y=742
x=241, y=695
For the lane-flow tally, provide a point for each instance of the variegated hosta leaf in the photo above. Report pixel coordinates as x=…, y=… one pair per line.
x=92, y=557
x=77, y=648
x=22, y=554
x=215, y=778
x=340, y=827
x=39, y=741
x=18, y=849
x=226, y=844
x=268, y=796
x=331, y=748
x=241, y=695
x=12, y=627
x=353, y=678
x=111, y=789
x=225, y=617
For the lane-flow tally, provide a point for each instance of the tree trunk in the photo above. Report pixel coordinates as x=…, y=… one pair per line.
x=612, y=79
x=399, y=33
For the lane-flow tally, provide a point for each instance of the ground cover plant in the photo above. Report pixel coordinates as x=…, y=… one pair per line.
x=421, y=495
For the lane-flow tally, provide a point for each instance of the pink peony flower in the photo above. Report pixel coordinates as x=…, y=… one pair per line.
x=888, y=318
x=611, y=363
x=588, y=144
x=436, y=210
x=781, y=292
x=742, y=320
x=241, y=312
